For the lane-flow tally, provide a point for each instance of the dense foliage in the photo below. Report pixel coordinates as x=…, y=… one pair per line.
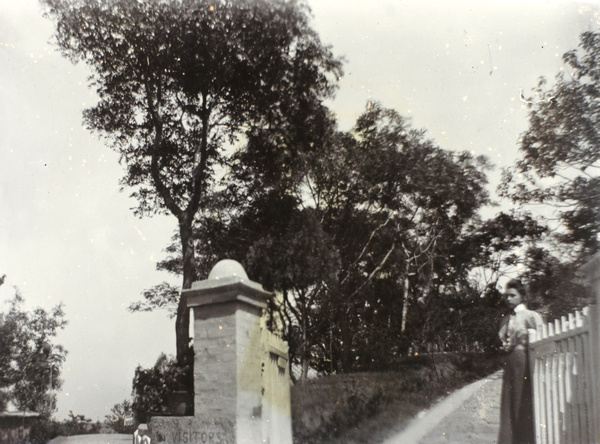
x=30, y=362
x=370, y=239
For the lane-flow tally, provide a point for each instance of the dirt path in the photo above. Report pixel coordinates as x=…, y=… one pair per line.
x=93, y=439
x=468, y=416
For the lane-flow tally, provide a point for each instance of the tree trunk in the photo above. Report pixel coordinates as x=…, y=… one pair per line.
x=346, y=358
x=305, y=361
x=304, y=352
x=182, y=322
x=405, y=304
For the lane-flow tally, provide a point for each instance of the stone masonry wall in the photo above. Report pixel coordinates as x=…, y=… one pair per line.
x=215, y=362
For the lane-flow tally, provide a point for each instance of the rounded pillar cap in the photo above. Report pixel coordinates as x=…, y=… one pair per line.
x=227, y=268
x=227, y=282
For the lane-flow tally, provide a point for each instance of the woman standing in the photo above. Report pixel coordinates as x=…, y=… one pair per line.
x=516, y=408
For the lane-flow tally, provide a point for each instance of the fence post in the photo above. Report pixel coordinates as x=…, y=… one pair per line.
x=592, y=272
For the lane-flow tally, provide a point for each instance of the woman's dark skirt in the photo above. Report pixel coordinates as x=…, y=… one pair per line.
x=516, y=407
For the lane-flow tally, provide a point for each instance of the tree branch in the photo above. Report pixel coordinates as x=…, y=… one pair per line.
x=200, y=169
x=374, y=272
x=366, y=246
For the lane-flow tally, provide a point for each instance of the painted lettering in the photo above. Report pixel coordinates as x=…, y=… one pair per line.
x=195, y=436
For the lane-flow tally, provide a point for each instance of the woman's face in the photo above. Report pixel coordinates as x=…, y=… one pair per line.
x=513, y=297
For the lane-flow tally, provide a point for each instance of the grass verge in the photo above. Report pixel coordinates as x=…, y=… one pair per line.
x=366, y=408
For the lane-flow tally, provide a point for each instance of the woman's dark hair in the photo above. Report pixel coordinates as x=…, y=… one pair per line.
x=516, y=284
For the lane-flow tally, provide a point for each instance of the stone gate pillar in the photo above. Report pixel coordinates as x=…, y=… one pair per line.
x=228, y=364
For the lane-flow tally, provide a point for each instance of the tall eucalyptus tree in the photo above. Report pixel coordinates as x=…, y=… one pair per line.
x=180, y=82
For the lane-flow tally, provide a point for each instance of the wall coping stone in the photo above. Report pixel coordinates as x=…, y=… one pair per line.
x=226, y=291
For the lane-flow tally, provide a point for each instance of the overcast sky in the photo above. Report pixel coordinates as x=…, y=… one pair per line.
x=67, y=234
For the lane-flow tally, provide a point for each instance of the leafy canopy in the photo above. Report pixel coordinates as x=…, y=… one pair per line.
x=179, y=80
x=560, y=159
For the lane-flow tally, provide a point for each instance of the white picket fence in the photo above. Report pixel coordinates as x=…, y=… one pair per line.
x=565, y=365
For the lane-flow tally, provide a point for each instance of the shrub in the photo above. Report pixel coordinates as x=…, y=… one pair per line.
x=78, y=425
x=43, y=431
x=117, y=419
x=152, y=387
